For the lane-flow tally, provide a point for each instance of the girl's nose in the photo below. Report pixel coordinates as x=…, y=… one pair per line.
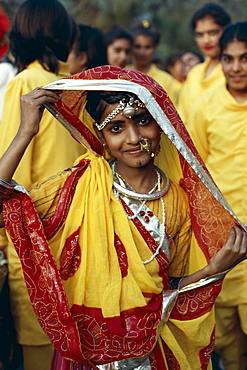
x=133, y=135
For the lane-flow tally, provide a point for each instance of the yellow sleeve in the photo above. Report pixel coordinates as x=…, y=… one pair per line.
x=3, y=238
x=45, y=194
x=197, y=127
x=9, y=127
x=182, y=105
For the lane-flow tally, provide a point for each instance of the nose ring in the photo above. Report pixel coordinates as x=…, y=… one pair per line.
x=145, y=146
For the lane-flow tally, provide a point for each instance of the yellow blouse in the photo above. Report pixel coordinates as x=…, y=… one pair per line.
x=196, y=85
x=217, y=125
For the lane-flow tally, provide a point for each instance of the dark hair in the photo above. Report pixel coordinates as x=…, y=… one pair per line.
x=233, y=32
x=117, y=32
x=97, y=101
x=199, y=55
x=91, y=41
x=171, y=60
x=146, y=29
x=42, y=30
x=215, y=11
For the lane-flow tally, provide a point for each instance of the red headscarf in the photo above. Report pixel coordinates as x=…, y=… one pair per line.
x=5, y=25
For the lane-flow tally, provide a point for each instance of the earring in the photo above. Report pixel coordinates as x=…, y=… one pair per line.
x=157, y=151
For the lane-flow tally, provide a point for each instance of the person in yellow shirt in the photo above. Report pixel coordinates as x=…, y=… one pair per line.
x=40, y=40
x=217, y=125
x=207, y=25
x=146, y=40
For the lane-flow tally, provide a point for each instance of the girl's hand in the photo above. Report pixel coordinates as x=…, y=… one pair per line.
x=233, y=252
x=32, y=109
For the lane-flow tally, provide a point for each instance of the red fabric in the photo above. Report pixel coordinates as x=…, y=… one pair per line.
x=53, y=312
x=52, y=224
x=206, y=353
x=5, y=25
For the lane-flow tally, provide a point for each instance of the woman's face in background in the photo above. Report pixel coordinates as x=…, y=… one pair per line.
x=207, y=34
x=143, y=50
x=119, y=52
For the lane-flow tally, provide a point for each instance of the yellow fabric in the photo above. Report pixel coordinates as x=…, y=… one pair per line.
x=189, y=337
x=95, y=246
x=231, y=336
x=53, y=149
x=196, y=85
x=180, y=336
x=217, y=125
x=169, y=84
x=37, y=357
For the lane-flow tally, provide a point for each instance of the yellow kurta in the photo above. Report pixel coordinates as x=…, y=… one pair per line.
x=196, y=85
x=52, y=150
x=169, y=84
x=218, y=125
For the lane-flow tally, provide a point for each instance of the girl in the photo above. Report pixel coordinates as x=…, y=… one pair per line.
x=125, y=286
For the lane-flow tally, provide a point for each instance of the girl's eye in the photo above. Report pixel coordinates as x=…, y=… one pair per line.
x=226, y=59
x=115, y=129
x=144, y=121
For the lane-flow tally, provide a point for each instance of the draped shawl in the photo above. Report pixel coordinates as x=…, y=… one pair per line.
x=83, y=265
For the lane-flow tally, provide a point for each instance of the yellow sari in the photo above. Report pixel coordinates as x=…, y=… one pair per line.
x=99, y=304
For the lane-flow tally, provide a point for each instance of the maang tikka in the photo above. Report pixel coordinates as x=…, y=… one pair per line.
x=126, y=107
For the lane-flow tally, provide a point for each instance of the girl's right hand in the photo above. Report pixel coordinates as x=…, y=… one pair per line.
x=32, y=109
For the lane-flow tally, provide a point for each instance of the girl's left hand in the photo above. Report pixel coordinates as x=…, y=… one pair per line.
x=233, y=252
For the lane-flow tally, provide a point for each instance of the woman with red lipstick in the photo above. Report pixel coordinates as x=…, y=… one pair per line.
x=207, y=25
x=218, y=127
x=123, y=253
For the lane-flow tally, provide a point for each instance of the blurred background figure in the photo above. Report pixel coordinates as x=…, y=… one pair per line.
x=88, y=50
x=119, y=44
x=207, y=25
x=189, y=59
x=174, y=66
x=7, y=69
x=41, y=38
x=146, y=40
x=217, y=124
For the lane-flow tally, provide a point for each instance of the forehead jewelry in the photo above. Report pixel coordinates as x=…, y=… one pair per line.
x=145, y=146
x=126, y=107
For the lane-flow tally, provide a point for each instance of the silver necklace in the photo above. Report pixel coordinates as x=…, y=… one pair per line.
x=121, y=189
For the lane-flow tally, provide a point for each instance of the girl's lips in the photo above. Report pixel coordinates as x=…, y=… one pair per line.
x=237, y=78
x=134, y=151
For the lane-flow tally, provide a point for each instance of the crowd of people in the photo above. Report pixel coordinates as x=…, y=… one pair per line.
x=122, y=224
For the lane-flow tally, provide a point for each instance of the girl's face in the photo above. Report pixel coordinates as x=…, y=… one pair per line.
x=143, y=50
x=189, y=60
x=234, y=65
x=122, y=137
x=119, y=53
x=207, y=34
x=77, y=62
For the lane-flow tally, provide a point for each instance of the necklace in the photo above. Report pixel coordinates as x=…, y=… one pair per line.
x=120, y=188
x=139, y=196
x=131, y=217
